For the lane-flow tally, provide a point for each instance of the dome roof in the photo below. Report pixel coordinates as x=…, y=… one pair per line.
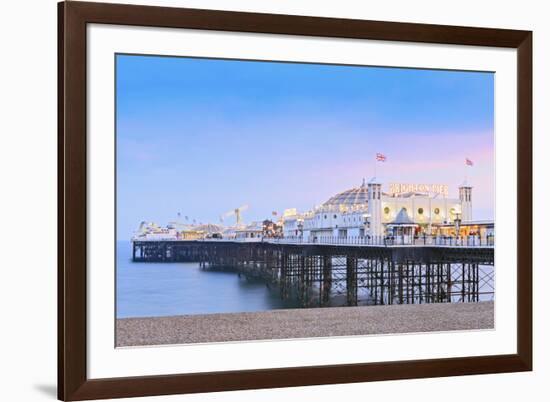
x=354, y=196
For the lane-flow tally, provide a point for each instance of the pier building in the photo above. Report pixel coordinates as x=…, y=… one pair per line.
x=405, y=210
x=371, y=213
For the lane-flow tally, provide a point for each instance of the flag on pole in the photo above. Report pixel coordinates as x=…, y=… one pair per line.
x=469, y=162
x=380, y=157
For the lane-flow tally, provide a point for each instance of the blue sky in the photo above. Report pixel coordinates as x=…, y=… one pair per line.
x=202, y=136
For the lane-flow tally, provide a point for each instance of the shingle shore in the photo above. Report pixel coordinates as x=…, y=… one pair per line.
x=304, y=323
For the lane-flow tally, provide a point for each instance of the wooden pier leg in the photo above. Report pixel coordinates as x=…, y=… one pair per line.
x=327, y=279
x=413, y=284
x=283, y=281
x=391, y=281
x=381, y=276
x=375, y=284
x=476, y=282
x=308, y=262
x=302, y=261
x=400, y=286
x=449, y=283
x=428, y=286
x=351, y=280
x=407, y=283
x=369, y=280
x=421, y=283
x=471, y=285
x=463, y=282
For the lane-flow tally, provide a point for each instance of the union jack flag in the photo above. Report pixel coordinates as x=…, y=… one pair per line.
x=469, y=162
x=380, y=157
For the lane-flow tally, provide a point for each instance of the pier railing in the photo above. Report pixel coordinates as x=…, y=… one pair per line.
x=378, y=241
x=443, y=241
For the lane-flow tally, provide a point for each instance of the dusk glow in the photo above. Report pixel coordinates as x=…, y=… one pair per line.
x=201, y=137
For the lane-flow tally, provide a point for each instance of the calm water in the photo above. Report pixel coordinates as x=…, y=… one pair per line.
x=161, y=289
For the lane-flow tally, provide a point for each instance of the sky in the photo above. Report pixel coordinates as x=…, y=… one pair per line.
x=201, y=137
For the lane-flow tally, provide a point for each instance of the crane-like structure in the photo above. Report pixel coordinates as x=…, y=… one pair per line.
x=237, y=213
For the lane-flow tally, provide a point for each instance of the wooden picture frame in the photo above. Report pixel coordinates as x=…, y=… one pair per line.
x=73, y=382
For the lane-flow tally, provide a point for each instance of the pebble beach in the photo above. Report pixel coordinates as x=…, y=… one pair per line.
x=304, y=323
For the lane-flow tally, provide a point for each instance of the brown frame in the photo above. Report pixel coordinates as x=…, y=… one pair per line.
x=73, y=383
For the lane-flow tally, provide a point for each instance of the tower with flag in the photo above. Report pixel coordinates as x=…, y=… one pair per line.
x=374, y=208
x=465, y=194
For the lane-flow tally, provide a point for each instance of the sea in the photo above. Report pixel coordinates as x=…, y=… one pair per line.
x=165, y=289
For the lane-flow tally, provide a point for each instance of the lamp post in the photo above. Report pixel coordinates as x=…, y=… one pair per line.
x=458, y=220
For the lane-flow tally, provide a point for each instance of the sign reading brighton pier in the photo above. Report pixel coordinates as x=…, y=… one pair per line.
x=400, y=188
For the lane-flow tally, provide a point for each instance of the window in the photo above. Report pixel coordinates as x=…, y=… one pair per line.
x=387, y=210
x=436, y=211
x=420, y=211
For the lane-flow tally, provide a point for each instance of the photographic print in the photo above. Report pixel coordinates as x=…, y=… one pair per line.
x=260, y=200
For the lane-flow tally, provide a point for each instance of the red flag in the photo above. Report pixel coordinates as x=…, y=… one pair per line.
x=380, y=157
x=469, y=162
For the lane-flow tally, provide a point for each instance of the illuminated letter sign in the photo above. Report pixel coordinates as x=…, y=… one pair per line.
x=400, y=188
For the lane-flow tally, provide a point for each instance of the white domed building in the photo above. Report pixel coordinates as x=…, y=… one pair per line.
x=367, y=211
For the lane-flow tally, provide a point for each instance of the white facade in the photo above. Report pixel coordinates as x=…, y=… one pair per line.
x=151, y=231
x=332, y=221
x=250, y=232
x=465, y=195
x=368, y=211
x=374, y=208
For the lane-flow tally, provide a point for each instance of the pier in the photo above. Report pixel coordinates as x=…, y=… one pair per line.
x=356, y=273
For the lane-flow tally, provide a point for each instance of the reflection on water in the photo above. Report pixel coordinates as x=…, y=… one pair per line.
x=162, y=289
